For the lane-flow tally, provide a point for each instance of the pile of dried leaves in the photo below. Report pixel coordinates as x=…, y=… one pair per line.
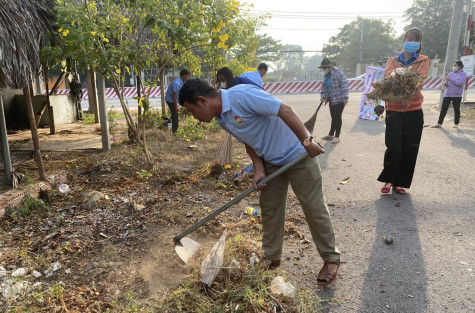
x=398, y=86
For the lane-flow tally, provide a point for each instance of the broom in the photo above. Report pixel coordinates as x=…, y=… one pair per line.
x=225, y=152
x=310, y=124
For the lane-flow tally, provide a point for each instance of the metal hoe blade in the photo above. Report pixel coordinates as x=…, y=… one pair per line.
x=186, y=248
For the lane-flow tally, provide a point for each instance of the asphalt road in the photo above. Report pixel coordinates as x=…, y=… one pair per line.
x=430, y=267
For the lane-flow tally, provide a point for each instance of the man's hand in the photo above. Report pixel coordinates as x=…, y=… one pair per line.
x=257, y=178
x=324, y=100
x=345, y=101
x=448, y=79
x=314, y=149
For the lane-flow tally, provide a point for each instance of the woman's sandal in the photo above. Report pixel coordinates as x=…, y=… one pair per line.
x=385, y=189
x=399, y=190
x=325, y=277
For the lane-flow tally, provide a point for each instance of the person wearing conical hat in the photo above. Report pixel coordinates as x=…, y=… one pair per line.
x=335, y=92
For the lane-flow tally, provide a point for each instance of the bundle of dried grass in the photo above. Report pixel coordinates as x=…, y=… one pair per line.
x=225, y=152
x=401, y=84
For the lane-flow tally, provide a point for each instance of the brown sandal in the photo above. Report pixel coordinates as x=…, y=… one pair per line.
x=325, y=276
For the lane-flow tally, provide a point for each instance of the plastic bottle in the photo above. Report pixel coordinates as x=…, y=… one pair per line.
x=252, y=211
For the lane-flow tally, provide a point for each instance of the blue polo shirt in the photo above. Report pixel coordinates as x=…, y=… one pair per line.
x=175, y=86
x=250, y=115
x=410, y=61
x=255, y=76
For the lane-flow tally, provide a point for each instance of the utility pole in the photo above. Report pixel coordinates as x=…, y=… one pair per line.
x=452, y=45
x=358, y=66
x=467, y=49
x=466, y=43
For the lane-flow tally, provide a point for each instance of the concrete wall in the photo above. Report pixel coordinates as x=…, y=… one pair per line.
x=64, y=111
x=8, y=96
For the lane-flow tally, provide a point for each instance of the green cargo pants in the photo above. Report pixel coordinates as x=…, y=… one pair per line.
x=306, y=181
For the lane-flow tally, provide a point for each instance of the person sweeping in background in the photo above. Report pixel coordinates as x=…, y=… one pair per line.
x=335, y=92
x=171, y=96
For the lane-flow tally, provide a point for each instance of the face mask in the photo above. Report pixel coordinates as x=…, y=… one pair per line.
x=411, y=47
x=223, y=85
x=455, y=69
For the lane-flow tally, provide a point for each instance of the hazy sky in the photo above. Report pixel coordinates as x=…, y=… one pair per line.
x=310, y=23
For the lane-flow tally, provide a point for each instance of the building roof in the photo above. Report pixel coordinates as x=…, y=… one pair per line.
x=24, y=26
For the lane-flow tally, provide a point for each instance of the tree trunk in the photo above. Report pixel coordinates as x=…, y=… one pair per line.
x=139, y=94
x=92, y=94
x=162, y=91
x=130, y=122
x=34, y=132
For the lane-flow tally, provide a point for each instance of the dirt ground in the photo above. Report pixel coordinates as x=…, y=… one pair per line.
x=117, y=249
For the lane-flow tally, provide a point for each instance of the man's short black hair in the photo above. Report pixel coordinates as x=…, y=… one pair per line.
x=262, y=66
x=459, y=63
x=184, y=72
x=193, y=88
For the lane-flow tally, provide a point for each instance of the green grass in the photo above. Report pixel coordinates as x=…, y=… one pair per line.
x=191, y=129
x=88, y=118
x=247, y=291
x=27, y=206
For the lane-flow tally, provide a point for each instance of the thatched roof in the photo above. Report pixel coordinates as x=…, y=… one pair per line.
x=23, y=30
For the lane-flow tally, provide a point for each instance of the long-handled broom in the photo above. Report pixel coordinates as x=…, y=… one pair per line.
x=310, y=124
x=225, y=153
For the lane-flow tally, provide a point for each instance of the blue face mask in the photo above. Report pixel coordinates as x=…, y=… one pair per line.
x=411, y=47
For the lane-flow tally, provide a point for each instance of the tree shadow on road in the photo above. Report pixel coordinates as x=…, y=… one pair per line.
x=461, y=140
x=372, y=128
x=396, y=277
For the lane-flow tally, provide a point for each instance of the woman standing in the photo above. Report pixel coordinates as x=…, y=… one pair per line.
x=404, y=119
x=335, y=92
x=454, y=83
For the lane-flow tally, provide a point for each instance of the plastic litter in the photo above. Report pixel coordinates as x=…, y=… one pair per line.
x=253, y=260
x=288, y=290
x=234, y=267
x=279, y=286
x=63, y=188
x=252, y=211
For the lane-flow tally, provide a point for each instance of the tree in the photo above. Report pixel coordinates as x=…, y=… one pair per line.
x=345, y=47
x=289, y=64
x=311, y=65
x=233, y=32
x=112, y=36
x=269, y=49
x=433, y=17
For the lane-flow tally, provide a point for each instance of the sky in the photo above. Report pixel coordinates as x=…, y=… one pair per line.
x=311, y=23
